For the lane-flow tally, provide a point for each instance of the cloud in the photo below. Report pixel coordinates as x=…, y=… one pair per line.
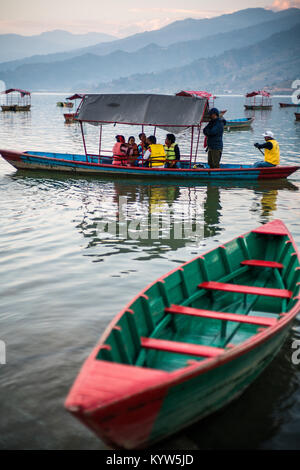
x=284, y=4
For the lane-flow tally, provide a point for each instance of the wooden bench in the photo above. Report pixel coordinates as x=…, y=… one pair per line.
x=180, y=348
x=262, y=263
x=195, y=312
x=241, y=289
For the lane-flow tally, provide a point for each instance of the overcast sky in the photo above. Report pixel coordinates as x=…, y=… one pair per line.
x=116, y=17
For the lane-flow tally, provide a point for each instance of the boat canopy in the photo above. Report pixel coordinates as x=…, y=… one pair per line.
x=77, y=96
x=172, y=113
x=12, y=90
x=196, y=94
x=256, y=93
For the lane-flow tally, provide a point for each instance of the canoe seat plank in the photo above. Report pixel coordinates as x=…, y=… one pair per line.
x=180, y=348
x=241, y=289
x=250, y=319
x=262, y=263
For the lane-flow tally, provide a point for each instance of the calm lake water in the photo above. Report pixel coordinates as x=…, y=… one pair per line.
x=63, y=280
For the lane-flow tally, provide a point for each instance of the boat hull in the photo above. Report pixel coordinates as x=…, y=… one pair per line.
x=288, y=105
x=297, y=116
x=146, y=418
x=79, y=164
x=239, y=124
x=258, y=107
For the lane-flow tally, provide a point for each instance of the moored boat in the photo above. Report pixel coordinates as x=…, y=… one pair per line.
x=16, y=100
x=288, y=105
x=243, y=123
x=72, y=117
x=210, y=101
x=258, y=100
x=198, y=336
x=297, y=116
x=171, y=113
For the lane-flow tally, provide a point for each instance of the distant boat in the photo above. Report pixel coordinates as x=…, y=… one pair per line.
x=261, y=103
x=16, y=100
x=297, y=115
x=192, y=341
x=288, y=105
x=243, y=123
x=210, y=101
x=71, y=117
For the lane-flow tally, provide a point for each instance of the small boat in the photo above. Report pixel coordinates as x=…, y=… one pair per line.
x=297, y=116
x=71, y=117
x=171, y=113
x=68, y=105
x=261, y=103
x=16, y=100
x=210, y=101
x=288, y=105
x=243, y=123
x=192, y=341
x=60, y=104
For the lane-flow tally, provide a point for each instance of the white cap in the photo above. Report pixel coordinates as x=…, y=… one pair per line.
x=268, y=134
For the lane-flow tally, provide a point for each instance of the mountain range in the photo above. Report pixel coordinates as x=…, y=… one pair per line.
x=14, y=46
x=210, y=52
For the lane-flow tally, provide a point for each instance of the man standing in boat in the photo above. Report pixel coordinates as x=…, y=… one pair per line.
x=214, y=137
x=272, y=151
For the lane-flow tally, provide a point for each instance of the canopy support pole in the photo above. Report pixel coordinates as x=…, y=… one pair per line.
x=192, y=144
x=83, y=140
x=154, y=133
x=100, y=141
x=197, y=146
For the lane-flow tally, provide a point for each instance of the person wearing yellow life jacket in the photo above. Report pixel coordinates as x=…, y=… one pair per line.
x=155, y=154
x=172, y=152
x=272, y=151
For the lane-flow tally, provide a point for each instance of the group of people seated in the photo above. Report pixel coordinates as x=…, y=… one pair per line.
x=147, y=153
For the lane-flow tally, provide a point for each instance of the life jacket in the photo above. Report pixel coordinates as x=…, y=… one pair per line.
x=158, y=155
x=117, y=153
x=273, y=156
x=170, y=152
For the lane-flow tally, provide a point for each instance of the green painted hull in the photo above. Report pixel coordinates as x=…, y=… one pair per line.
x=192, y=341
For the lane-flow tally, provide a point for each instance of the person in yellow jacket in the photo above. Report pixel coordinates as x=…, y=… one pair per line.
x=272, y=151
x=155, y=154
x=172, y=152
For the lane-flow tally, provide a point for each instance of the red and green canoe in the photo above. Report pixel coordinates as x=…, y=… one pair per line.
x=192, y=341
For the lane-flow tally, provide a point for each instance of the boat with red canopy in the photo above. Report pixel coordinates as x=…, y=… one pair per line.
x=202, y=94
x=175, y=114
x=258, y=100
x=16, y=100
x=71, y=117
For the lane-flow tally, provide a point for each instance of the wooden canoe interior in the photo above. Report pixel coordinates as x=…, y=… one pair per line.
x=210, y=304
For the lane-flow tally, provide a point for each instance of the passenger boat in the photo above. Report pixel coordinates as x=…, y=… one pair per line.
x=297, y=116
x=243, y=123
x=261, y=103
x=288, y=105
x=171, y=113
x=71, y=117
x=210, y=103
x=192, y=341
x=16, y=100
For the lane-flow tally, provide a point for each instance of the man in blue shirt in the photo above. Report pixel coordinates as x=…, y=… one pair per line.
x=214, y=134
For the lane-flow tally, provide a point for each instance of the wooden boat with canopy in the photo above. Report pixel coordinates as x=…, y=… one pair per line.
x=202, y=94
x=71, y=117
x=192, y=341
x=176, y=114
x=258, y=100
x=16, y=100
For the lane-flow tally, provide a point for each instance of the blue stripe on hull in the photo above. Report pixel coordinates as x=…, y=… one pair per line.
x=75, y=163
